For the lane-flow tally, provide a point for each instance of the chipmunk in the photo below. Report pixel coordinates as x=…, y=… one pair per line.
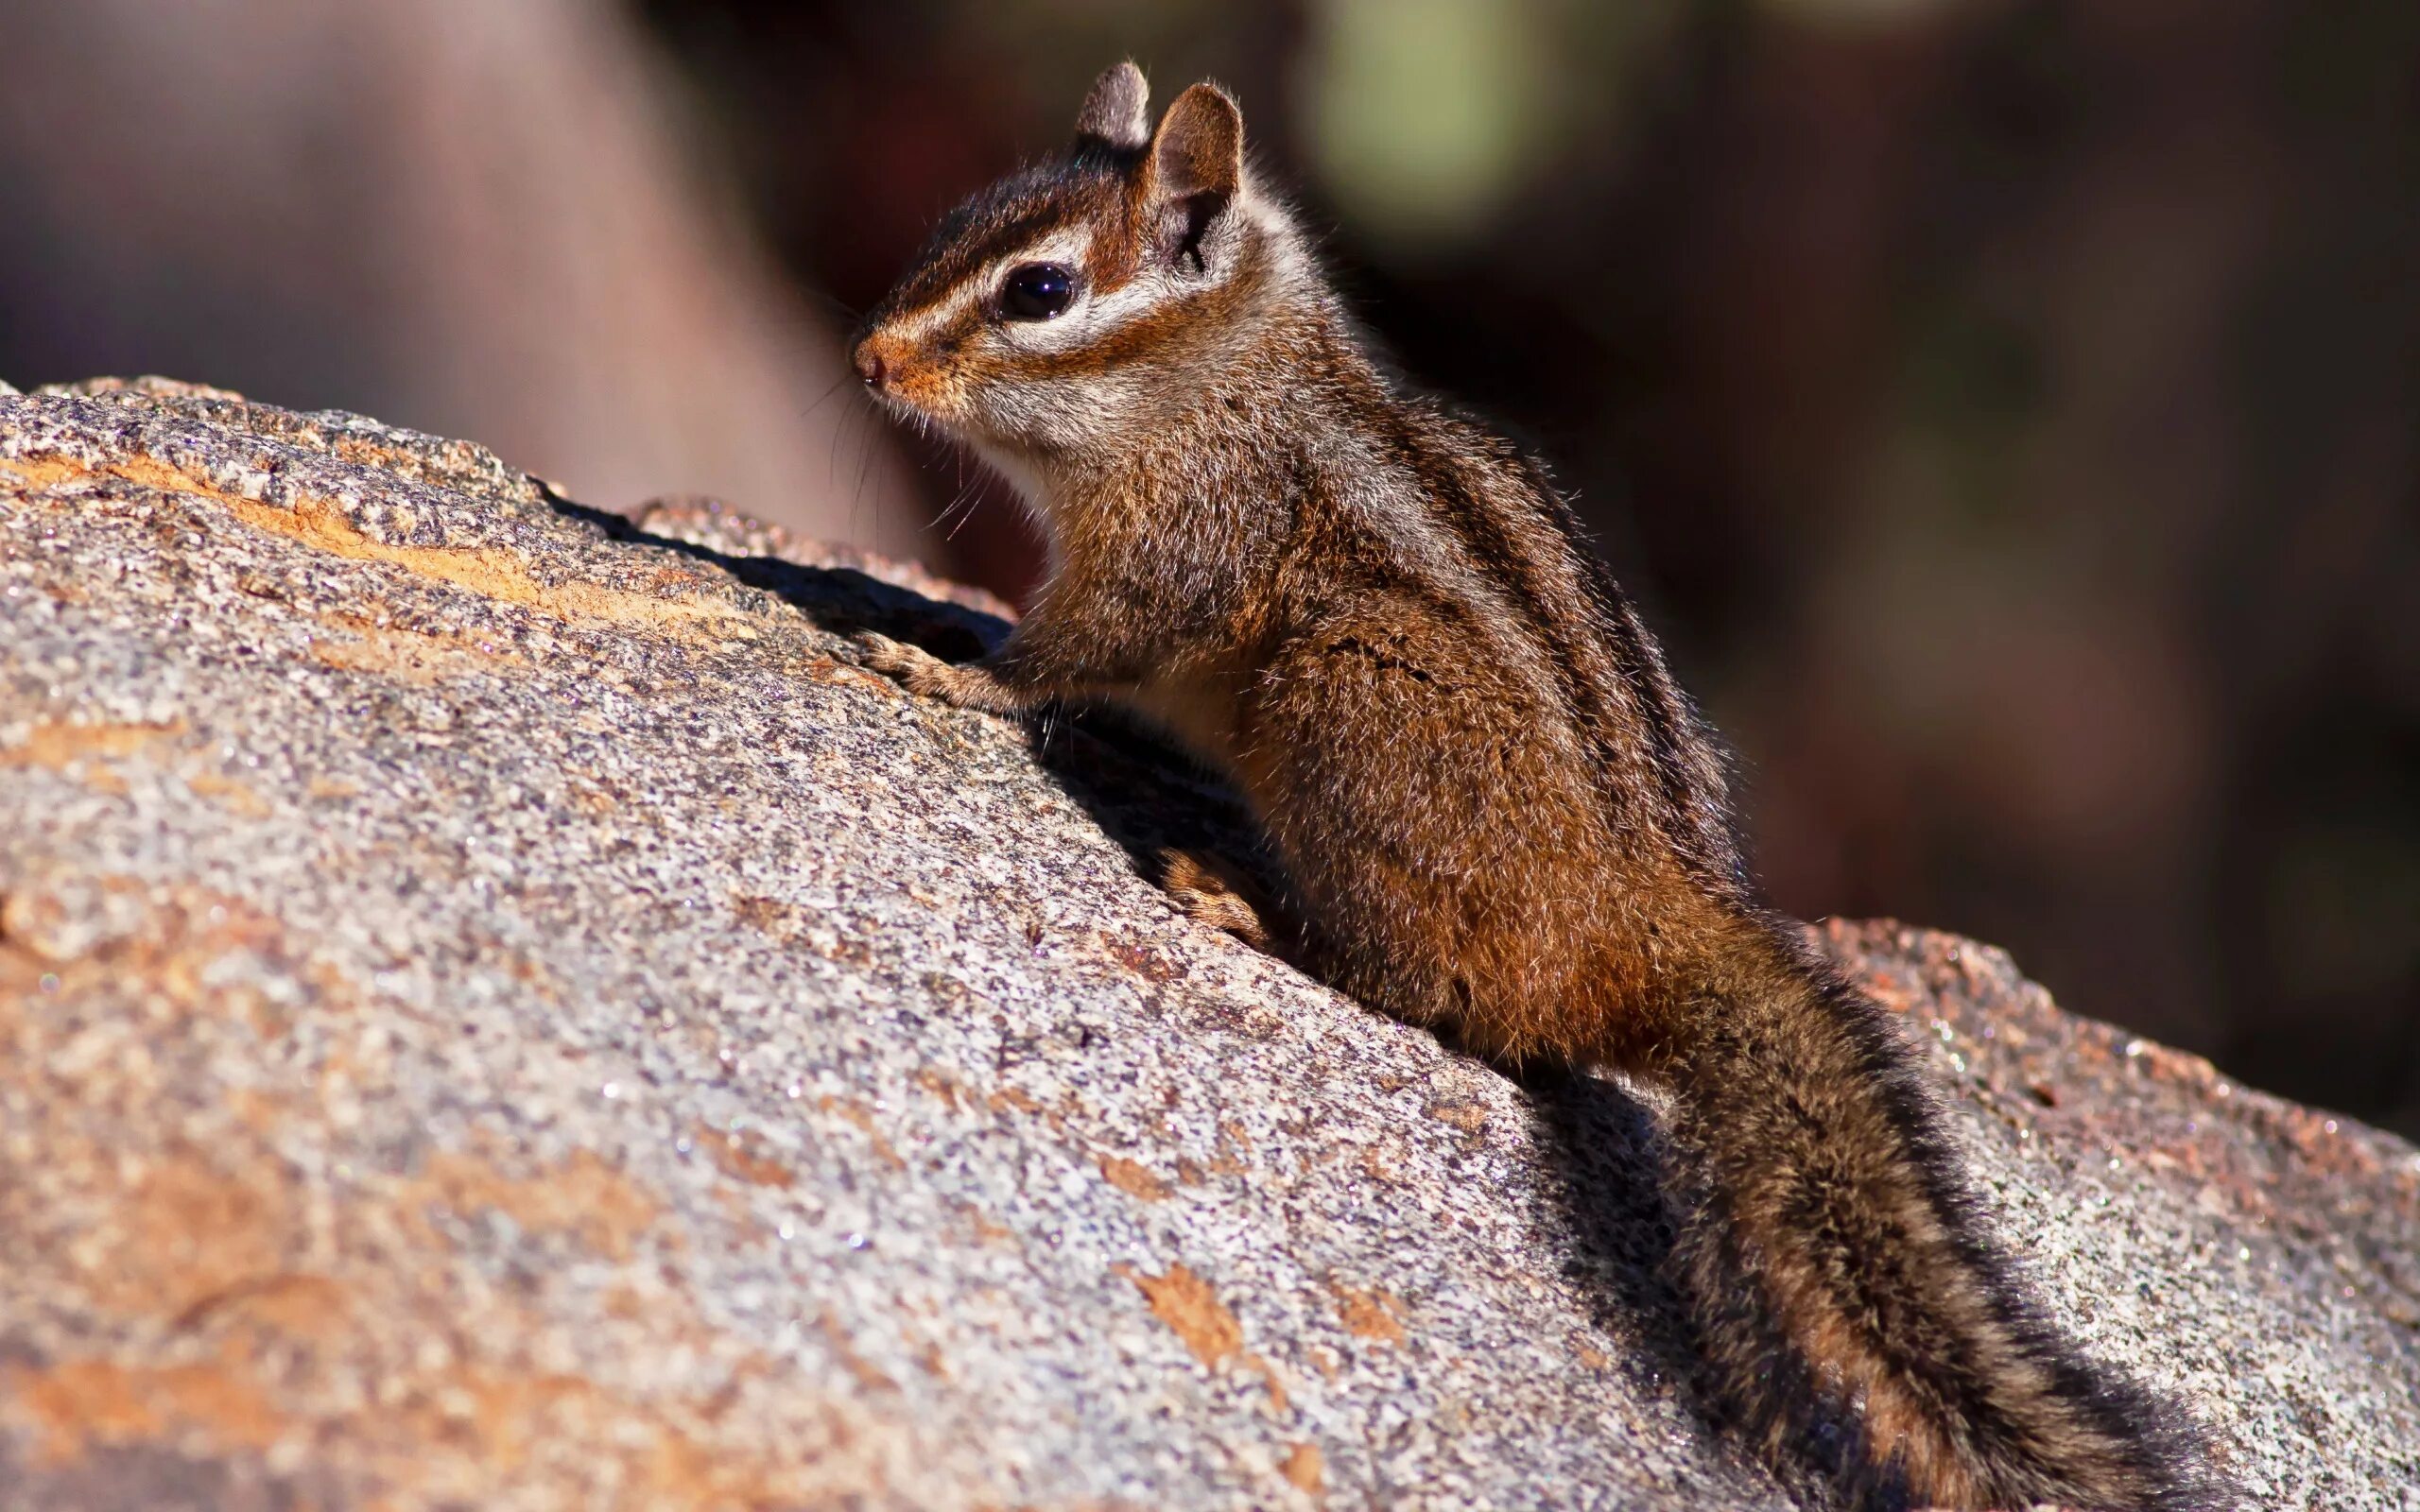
x=1495, y=813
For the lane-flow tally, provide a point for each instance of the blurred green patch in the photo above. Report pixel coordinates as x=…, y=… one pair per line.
x=1426, y=118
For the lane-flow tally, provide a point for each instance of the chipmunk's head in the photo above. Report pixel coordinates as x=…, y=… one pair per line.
x=1084, y=299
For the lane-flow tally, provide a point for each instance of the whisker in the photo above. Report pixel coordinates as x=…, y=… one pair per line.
x=826, y=397
x=857, y=492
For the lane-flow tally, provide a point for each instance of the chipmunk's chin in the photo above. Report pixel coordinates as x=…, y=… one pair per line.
x=965, y=426
x=916, y=410
x=1002, y=452
x=1023, y=474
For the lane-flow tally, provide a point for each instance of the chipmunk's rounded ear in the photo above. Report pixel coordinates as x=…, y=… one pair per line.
x=1199, y=149
x=1114, y=111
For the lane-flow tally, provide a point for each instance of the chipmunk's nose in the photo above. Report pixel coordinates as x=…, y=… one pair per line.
x=869, y=364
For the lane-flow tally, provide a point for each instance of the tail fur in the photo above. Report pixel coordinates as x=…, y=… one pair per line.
x=1834, y=1259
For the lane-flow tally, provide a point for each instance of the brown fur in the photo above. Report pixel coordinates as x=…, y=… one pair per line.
x=1495, y=812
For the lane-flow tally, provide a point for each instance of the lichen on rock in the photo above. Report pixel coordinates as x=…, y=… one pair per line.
x=496, y=1010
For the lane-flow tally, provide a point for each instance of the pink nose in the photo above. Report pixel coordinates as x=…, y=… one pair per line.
x=869, y=365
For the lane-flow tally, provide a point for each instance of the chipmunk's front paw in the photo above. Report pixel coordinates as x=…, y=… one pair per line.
x=922, y=673
x=911, y=666
x=1215, y=894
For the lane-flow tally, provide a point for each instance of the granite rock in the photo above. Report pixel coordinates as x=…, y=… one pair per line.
x=496, y=1011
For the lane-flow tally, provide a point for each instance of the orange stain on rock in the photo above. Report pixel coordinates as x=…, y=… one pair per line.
x=492, y=572
x=864, y=1372
x=1371, y=1314
x=1016, y=1098
x=1134, y=1180
x=1305, y=1469
x=583, y=1198
x=235, y=796
x=421, y=658
x=185, y=1233
x=55, y=746
x=1471, y=1118
x=80, y=1405
x=940, y=1085
x=986, y=1230
x=295, y=1305
x=736, y=1155
x=1275, y=1381
x=1191, y=1309
x=862, y=1116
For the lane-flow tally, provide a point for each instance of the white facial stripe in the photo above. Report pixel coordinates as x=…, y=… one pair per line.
x=1095, y=316
x=924, y=324
x=1068, y=245
x=1095, y=313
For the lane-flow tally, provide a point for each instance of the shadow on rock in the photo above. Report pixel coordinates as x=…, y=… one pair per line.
x=1606, y=1152
x=1151, y=799
x=839, y=599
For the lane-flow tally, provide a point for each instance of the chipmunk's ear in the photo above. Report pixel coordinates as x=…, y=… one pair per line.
x=1198, y=153
x=1114, y=113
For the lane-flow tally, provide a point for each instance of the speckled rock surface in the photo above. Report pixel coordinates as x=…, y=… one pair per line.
x=494, y=1013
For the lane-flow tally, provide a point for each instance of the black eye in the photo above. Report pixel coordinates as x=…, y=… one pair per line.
x=1038, y=291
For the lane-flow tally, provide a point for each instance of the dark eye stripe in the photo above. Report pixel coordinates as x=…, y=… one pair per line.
x=1037, y=291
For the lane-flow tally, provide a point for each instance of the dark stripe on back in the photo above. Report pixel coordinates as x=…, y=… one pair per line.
x=1496, y=551
x=1680, y=744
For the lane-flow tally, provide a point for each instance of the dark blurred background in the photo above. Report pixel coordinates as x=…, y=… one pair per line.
x=2008, y=411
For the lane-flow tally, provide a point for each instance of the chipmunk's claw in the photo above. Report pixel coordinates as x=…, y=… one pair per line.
x=1211, y=892
x=926, y=675
x=892, y=659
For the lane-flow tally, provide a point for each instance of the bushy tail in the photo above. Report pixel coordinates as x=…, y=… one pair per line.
x=1830, y=1249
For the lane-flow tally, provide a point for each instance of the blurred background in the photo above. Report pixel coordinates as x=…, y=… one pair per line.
x=2008, y=411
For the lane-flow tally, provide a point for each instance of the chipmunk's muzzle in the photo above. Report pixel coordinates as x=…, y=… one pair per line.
x=883, y=361
x=905, y=371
